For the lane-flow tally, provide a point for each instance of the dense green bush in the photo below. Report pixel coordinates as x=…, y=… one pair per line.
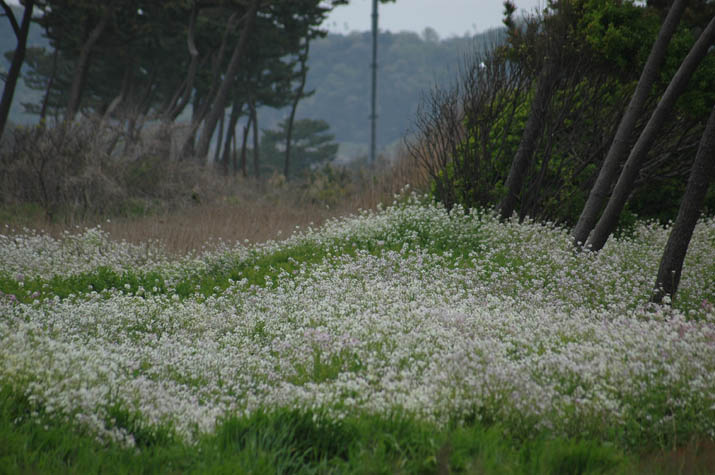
x=470, y=134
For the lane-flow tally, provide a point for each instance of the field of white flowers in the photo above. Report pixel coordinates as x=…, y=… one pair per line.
x=447, y=316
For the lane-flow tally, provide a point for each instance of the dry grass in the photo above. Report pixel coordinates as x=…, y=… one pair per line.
x=254, y=220
x=247, y=210
x=698, y=457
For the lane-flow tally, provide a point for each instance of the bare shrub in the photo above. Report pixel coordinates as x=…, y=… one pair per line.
x=61, y=168
x=68, y=170
x=465, y=132
x=81, y=174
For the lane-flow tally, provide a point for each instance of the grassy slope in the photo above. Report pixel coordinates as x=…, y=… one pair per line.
x=286, y=440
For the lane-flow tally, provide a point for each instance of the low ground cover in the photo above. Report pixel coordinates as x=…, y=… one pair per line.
x=411, y=319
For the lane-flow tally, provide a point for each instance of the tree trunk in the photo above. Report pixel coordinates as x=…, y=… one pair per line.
x=121, y=97
x=256, y=151
x=230, y=134
x=233, y=21
x=246, y=129
x=82, y=66
x=529, y=138
x=183, y=95
x=219, y=103
x=609, y=219
x=201, y=105
x=18, y=58
x=50, y=83
x=234, y=155
x=294, y=107
x=619, y=147
x=701, y=175
x=219, y=139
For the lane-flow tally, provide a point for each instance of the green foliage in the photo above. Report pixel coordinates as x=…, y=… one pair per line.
x=103, y=279
x=600, y=53
x=311, y=145
x=328, y=184
x=292, y=441
x=325, y=368
x=616, y=32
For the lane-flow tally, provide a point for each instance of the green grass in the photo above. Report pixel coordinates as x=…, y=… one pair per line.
x=292, y=441
x=257, y=270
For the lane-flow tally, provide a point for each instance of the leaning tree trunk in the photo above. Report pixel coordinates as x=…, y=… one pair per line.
x=219, y=139
x=201, y=108
x=217, y=61
x=701, y=175
x=219, y=102
x=619, y=147
x=80, y=70
x=529, y=138
x=18, y=58
x=294, y=107
x=183, y=95
x=609, y=219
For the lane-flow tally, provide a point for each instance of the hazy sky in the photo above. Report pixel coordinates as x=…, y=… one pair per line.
x=447, y=17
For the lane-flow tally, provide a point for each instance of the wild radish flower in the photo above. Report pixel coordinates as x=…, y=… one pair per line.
x=455, y=315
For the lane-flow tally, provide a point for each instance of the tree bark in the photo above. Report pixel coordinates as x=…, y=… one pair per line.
x=256, y=151
x=609, y=219
x=82, y=66
x=121, y=97
x=529, y=138
x=246, y=129
x=50, y=83
x=219, y=139
x=701, y=175
x=230, y=134
x=219, y=103
x=619, y=147
x=18, y=58
x=233, y=21
x=294, y=106
x=234, y=155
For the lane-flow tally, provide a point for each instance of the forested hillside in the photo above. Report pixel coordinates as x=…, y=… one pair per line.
x=409, y=64
x=339, y=73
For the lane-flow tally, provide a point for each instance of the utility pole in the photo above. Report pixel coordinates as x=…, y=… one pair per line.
x=373, y=111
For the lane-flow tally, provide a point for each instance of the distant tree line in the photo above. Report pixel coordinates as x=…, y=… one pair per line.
x=132, y=62
x=336, y=88
x=590, y=106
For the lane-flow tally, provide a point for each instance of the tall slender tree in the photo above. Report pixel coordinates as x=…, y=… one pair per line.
x=546, y=85
x=218, y=104
x=552, y=44
x=303, y=60
x=701, y=176
x=619, y=146
x=82, y=65
x=236, y=110
x=624, y=186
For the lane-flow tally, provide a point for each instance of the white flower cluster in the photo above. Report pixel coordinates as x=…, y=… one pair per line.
x=33, y=254
x=520, y=329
